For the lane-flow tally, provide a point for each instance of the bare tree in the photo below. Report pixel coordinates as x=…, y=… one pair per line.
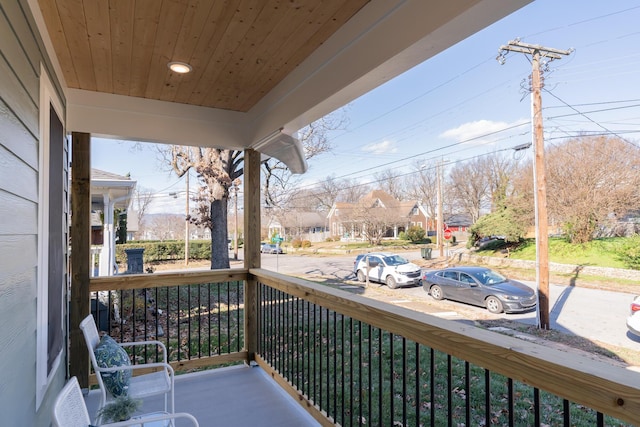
x=326, y=193
x=217, y=169
x=142, y=198
x=279, y=183
x=373, y=221
x=499, y=169
x=352, y=191
x=323, y=196
x=167, y=226
x=422, y=185
x=591, y=180
x=390, y=181
x=468, y=188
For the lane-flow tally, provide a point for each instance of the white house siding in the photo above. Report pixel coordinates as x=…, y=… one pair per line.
x=20, y=59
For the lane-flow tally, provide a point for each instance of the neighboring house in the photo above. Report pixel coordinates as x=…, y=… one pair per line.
x=418, y=215
x=270, y=226
x=133, y=227
x=68, y=72
x=293, y=224
x=458, y=222
x=109, y=191
x=400, y=215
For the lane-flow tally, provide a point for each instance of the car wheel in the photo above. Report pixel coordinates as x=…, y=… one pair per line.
x=494, y=305
x=361, y=277
x=436, y=292
x=391, y=282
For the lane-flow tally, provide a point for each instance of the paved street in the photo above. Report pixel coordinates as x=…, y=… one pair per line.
x=593, y=314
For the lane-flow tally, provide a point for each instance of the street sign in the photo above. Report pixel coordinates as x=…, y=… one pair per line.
x=448, y=234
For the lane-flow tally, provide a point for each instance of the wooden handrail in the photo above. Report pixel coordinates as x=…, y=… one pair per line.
x=140, y=281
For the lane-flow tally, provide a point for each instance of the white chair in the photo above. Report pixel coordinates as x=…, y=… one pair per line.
x=140, y=386
x=69, y=410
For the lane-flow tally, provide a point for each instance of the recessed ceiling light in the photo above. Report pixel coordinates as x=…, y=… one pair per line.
x=180, y=67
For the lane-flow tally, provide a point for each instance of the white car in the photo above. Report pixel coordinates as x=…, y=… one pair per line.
x=633, y=321
x=388, y=268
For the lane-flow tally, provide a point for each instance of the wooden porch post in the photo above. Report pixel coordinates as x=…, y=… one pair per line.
x=80, y=253
x=251, y=248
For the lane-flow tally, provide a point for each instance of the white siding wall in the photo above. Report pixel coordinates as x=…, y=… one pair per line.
x=20, y=60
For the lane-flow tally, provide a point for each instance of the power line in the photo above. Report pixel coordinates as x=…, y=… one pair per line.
x=585, y=21
x=406, y=174
x=588, y=104
x=483, y=136
x=591, y=120
x=412, y=157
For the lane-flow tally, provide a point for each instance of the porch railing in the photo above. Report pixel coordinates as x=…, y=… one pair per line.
x=199, y=317
x=350, y=360
x=363, y=362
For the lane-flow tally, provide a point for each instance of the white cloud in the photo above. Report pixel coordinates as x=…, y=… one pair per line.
x=381, y=148
x=470, y=130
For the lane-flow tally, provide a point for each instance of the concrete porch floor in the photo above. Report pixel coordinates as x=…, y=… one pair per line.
x=232, y=396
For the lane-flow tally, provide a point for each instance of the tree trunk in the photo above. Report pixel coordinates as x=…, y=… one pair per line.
x=219, y=235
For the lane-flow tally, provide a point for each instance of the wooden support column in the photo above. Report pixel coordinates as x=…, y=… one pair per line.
x=80, y=253
x=251, y=248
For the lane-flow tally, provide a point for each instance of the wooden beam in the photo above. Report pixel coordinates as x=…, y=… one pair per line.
x=80, y=253
x=251, y=248
x=141, y=281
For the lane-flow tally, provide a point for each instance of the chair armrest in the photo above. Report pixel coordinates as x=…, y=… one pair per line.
x=140, y=366
x=150, y=342
x=159, y=417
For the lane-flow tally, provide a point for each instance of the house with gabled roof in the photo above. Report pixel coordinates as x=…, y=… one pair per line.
x=401, y=215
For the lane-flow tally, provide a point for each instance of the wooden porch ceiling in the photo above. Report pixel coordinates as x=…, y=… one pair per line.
x=261, y=69
x=239, y=50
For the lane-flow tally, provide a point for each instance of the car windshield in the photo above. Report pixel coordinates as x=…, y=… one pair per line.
x=489, y=277
x=395, y=260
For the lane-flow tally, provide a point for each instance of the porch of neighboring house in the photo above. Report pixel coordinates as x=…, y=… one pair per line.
x=109, y=192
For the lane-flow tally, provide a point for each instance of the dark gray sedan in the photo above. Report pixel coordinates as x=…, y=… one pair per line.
x=479, y=286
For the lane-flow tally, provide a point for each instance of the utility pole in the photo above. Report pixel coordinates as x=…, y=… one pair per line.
x=539, y=179
x=440, y=221
x=186, y=221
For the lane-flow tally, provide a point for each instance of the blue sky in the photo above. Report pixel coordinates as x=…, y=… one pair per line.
x=464, y=99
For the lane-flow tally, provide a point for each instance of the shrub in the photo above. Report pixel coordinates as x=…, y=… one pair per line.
x=165, y=250
x=629, y=252
x=296, y=243
x=306, y=244
x=415, y=234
